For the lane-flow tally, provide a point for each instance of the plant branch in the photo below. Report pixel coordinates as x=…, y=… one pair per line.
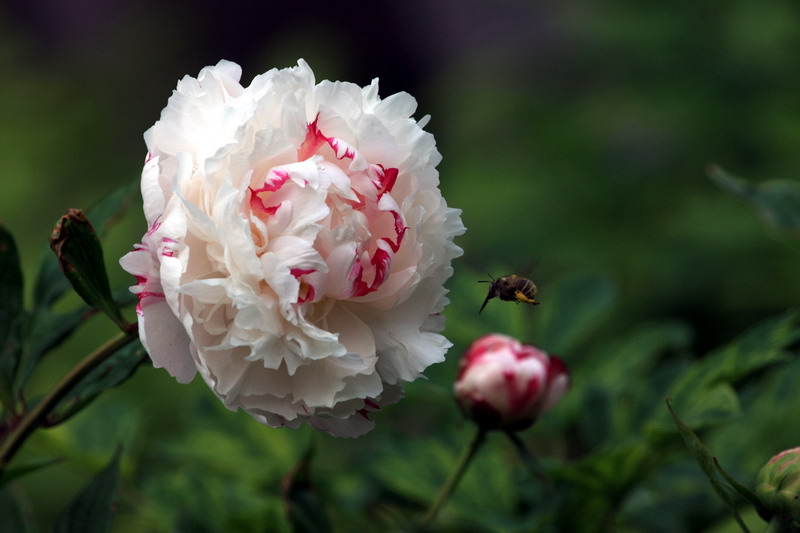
x=31, y=421
x=528, y=458
x=455, y=477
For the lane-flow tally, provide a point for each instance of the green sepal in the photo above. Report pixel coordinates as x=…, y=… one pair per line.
x=50, y=282
x=707, y=462
x=93, y=509
x=81, y=258
x=745, y=492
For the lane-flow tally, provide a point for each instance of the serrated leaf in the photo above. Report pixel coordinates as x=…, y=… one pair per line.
x=573, y=309
x=303, y=506
x=93, y=509
x=117, y=369
x=81, y=258
x=703, y=456
x=777, y=201
x=11, y=315
x=50, y=282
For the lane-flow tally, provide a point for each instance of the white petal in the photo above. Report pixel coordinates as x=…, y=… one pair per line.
x=166, y=341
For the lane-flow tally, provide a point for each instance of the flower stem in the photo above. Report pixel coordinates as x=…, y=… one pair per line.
x=528, y=458
x=34, y=418
x=781, y=524
x=455, y=477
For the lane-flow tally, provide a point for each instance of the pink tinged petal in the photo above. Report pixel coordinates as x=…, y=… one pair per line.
x=558, y=384
x=381, y=261
x=166, y=341
x=312, y=143
x=385, y=180
x=306, y=292
x=153, y=194
x=342, y=258
x=315, y=140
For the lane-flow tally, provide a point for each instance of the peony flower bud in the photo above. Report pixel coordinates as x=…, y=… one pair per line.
x=504, y=384
x=778, y=484
x=297, y=245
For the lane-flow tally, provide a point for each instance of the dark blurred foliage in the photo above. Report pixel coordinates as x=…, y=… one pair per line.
x=575, y=137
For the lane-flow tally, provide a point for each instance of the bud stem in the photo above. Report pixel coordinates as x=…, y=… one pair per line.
x=528, y=458
x=455, y=477
x=34, y=418
x=781, y=524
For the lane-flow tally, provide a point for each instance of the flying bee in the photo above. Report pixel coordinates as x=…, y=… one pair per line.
x=511, y=288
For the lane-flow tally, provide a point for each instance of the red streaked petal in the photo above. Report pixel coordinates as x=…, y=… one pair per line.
x=312, y=143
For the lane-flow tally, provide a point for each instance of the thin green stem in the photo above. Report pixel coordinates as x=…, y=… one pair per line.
x=31, y=421
x=781, y=524
x=455, y=477
x=528, y=458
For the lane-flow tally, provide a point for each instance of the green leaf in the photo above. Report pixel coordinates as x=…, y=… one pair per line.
x=50, y=282
x=51, y=329
x=303, y=506
x=114, y=371
x=12, y=517
x=11, y=315
x=93, y=509
x=81, y=258
x=12, y=473
x=707, y=464
x=48, y=332
x=619, y=404
x=777, y=201
x=704, y=390
x=571, y=311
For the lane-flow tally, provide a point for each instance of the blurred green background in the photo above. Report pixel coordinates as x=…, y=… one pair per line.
x=575, y=137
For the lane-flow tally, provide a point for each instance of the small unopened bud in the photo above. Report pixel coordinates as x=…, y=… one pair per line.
x=778, y=484
x=504, y=384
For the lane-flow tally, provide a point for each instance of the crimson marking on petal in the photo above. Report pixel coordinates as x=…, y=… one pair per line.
x=146, y=294
x=364, y=413
x=157, y=224
x=275, y=184
x=401, y=231
x=257, y=203
x=315, y=139
x=309, y=293
x=360, y=204
x=386, y=179
x=341, y=148
x=297, y=272
x=371, y=404
x=148, y=157
x=380, y=262
x=557, y=368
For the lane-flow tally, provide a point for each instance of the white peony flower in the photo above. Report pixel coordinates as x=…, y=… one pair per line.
x=297, y=245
